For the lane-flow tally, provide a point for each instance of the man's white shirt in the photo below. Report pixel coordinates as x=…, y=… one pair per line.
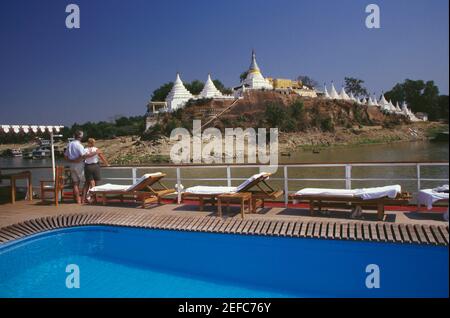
x=75, y=150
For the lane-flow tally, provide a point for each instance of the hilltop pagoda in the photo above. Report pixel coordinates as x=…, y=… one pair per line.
x=178, y=95
x=210, y=90
x=254, y=78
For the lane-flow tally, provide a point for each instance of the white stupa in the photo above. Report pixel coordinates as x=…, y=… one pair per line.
x=383, y=102
x=397, y=108
x=210, y=90
x=364, y=101
x=374, y=100
x=405, y=108
x=391, y=107
x=370, y=102
x=343, y=94
x=178, y=95
x=352, y=97
x=325, y=92
x=255, y=79
x=333, y=93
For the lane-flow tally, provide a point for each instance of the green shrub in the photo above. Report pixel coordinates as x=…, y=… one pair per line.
x=327, y=124
x=275, y=115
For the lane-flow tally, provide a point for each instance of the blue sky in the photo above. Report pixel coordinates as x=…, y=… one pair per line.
x=125, y=49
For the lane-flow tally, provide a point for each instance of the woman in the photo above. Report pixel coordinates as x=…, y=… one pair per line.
x=92, y=167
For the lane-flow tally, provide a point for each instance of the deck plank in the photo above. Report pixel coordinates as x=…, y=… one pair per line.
x=412, y=234
x=437, y=235
x=253, y=224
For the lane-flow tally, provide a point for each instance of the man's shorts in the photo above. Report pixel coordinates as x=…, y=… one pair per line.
x=77, y=172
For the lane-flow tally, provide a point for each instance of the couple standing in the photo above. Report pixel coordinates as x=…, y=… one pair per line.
x=84, y=164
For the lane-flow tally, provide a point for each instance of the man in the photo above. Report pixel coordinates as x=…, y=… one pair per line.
x=75, y=154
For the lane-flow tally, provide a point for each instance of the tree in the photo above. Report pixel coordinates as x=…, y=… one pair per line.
x=421, y=97
x=308, y=81
x=443, y=107
x=297, y=110
x=355, y=86
x=243, y=76
x=219, y=85
x=161, y=93
x=275, y=115
x=195, y=87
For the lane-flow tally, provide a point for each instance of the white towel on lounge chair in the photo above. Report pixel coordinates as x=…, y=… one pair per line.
x=327, y=192
x=390, y=191
x=211, y=190
x=109, y=187
x=428, y=197
x=222, y=190
x=125, y=188
x=365, y=193
x=251, y=179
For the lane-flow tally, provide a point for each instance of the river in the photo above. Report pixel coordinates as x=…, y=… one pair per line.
x=394, y=152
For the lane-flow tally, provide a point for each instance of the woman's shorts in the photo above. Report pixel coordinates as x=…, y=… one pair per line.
x=92, y=172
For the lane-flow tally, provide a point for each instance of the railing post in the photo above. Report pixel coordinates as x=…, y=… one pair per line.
x=418, y=177
x=348, y=177
x=286, y=186
x=228, y=176
x=134, y=174
x=179, y=185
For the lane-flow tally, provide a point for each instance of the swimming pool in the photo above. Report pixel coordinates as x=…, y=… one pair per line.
x=132, y=262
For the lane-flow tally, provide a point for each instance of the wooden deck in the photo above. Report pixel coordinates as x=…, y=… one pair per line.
x=27, y=218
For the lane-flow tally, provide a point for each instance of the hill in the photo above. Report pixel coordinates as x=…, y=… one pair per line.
x=266, y=109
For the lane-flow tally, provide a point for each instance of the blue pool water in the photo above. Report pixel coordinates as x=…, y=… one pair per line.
x=130, y=262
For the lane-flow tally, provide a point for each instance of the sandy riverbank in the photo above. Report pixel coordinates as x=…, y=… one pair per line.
x=131, y=150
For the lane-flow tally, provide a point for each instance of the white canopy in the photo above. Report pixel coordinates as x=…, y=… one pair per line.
x=29, y=129
x=34, y=129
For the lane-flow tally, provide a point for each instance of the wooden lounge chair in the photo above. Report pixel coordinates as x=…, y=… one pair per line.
x=206, y=194
x=430, y=197
x=352, y=199
x=142, y=190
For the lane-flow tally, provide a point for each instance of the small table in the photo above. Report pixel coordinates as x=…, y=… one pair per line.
x=240, y=197
x=17, y=176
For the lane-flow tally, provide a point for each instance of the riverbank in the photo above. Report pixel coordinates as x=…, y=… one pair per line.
x=132, y=150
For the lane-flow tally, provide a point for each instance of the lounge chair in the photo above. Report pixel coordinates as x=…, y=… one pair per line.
x=376, y=197
x=428, y=197
x=208, y=194
x=142, y=190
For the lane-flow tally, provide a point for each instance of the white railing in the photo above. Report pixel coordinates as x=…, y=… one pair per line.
x=347, y=169
x=286, y=173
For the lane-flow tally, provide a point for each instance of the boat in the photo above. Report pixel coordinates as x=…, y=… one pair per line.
x=41, y=153
x=15, y=152
x=27, y=155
